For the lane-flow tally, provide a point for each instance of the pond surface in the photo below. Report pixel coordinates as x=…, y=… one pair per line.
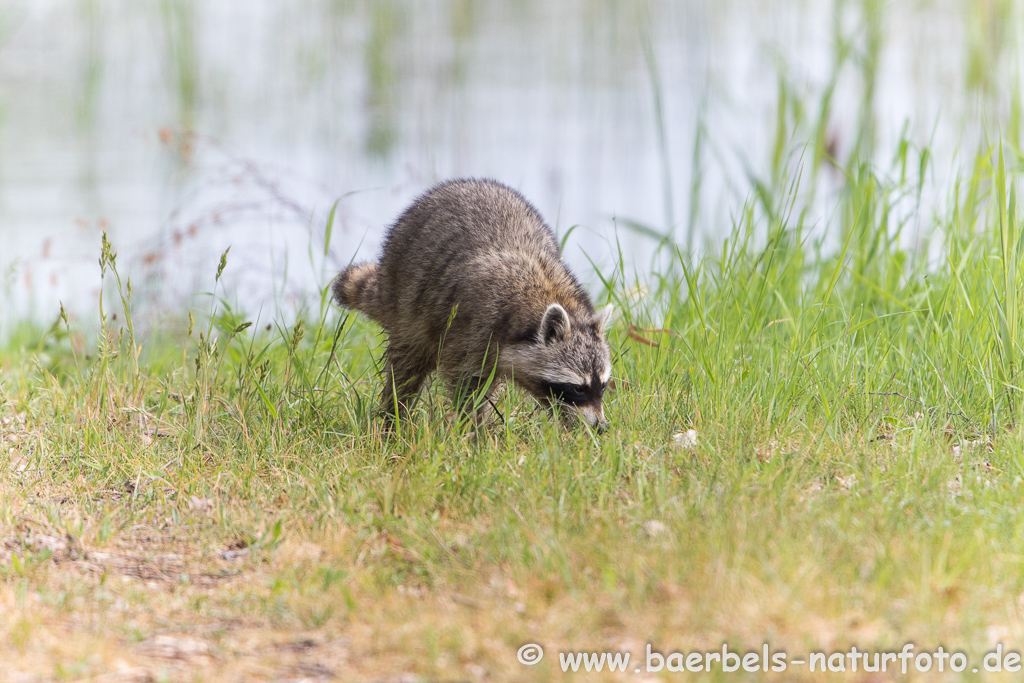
x=185, y=127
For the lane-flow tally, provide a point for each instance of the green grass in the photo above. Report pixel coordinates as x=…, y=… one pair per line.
x=213, y=499
x=855, y=480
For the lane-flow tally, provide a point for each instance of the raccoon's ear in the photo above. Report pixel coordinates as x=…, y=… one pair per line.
x=554, y=325
x=603, y=317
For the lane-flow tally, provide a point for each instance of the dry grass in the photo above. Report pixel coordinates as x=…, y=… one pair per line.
x=825, y=452
x=144, y=581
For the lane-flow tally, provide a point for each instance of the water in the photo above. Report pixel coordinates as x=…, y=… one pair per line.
x=185, y=127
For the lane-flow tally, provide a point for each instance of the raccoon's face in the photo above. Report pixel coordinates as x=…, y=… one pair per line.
x=567, y=365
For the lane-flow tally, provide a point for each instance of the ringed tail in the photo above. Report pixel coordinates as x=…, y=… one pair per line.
x=358, y=287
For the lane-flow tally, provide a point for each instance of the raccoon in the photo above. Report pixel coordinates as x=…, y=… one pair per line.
x=471, y=283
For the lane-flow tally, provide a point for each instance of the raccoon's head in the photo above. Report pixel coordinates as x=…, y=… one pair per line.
x=567, y=364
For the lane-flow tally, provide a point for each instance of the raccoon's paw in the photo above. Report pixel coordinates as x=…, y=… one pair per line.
x=385, y=426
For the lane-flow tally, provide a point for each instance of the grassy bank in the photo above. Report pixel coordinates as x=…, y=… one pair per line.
x=218, y=504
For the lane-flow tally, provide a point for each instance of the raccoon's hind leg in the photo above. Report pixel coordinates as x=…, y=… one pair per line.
x=405, y=368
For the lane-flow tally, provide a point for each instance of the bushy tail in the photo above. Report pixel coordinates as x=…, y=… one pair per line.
x=358, y=287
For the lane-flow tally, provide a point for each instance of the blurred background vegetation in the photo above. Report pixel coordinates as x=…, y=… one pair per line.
x=181, y=127
x=805, y=214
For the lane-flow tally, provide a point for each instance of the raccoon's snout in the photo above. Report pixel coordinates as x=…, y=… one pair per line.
x=593, y=417
x=601, y=427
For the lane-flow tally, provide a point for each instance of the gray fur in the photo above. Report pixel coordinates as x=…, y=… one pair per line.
x=471, y=282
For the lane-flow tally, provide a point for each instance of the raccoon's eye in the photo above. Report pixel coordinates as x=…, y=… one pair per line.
x=573, y=394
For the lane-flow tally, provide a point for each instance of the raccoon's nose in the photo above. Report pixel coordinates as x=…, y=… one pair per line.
x=592, y=418
x=595, y=419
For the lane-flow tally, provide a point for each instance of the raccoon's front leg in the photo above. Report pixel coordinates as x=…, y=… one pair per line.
x=405, y=368
x=472, y=395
